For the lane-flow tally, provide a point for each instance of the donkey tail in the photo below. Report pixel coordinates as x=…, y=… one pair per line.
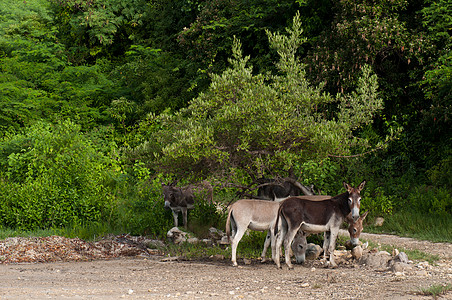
x=275, y=229
x=228, y=224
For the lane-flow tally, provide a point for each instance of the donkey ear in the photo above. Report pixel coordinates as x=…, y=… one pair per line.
x=361, y=185
x=364, y=215
x=347, y=186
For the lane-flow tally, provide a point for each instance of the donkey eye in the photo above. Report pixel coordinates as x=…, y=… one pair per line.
x=350, y=200
x=301, y=246
x=355, y=230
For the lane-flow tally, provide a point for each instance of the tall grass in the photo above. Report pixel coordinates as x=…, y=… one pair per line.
x=418, y=225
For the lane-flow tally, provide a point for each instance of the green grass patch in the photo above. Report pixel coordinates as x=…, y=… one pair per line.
x=90, y=232
x=436, y=290
x=422, y=226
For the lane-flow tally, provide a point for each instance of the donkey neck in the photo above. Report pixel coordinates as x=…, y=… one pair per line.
x=342, y=203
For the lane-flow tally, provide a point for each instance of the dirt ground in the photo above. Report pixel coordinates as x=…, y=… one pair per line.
x=59, y=268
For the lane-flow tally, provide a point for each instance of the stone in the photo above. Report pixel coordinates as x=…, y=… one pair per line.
x=224, y=241
x=193, y=240
x=400, y=267
x=379, y=221
x=377, y=260
x=178, y=236
x=215, y=234
x=357, y=252
x=217, y=257
x=313, y=251
x=207, y=242
x=401, y=257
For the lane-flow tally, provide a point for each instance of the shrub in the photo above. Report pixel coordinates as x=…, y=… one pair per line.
x=377, y=201
x=431, y=200
x=53, y=176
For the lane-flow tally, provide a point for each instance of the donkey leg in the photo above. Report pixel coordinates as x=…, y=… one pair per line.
x=278, y=244
x=326, y=243
x=235, y=241
x=175, y=213
x=332, y=246
x=184, y=214
x=287, y=246
x=268, y=239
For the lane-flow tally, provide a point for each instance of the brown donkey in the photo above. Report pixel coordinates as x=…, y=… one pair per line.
x=315, y=217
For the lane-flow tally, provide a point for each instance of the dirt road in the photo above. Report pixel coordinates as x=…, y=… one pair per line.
x=148, y=277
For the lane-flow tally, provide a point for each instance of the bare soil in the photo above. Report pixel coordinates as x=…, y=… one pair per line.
x=122, y=267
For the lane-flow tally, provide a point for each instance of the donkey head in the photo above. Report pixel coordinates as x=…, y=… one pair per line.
x=355, y=228
x=299, y=246
x=354, y=198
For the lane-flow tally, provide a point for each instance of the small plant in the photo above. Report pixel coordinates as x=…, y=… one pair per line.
x=436, y=290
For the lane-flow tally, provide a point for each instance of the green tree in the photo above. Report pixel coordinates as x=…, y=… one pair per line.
x=249, y=125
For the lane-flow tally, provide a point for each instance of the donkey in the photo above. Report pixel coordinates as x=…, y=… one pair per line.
x=181, y=199
x=354, y=229
x=260, y=215
x=269, y=189
x=296, y=214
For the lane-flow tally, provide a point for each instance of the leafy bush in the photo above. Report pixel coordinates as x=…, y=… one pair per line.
x=53, y=176
x=431, y=200
x=323, y=174
x=441, y=174
x=141, y=207
x=377, y=201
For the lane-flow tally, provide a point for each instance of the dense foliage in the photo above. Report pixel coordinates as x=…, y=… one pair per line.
x=102, y=101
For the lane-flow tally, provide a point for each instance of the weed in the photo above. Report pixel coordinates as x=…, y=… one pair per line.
x=423, y=226
x=436, y=290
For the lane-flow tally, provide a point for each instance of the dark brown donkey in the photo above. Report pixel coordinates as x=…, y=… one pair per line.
x=315, y=217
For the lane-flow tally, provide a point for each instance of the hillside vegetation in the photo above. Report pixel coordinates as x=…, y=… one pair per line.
x=103, y=101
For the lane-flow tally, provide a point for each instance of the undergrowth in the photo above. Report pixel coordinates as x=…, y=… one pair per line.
x=436, y=290
x=422, y=226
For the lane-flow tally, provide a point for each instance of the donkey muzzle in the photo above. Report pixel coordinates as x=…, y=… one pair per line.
x=355, y=214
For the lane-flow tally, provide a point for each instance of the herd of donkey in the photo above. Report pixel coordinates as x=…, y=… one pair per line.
x=288, y=217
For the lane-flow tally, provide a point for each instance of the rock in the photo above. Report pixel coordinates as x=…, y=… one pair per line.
x=357, y=252
x=379, y=221
x=224, y=241
x=193, y=240
x=178, y=236
x=313, y=251
x=399, y=267
x=217, y=257
x=247, y=261
x=401, y=257
x=215, y=234
x=207, y=242
x=377, y=260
